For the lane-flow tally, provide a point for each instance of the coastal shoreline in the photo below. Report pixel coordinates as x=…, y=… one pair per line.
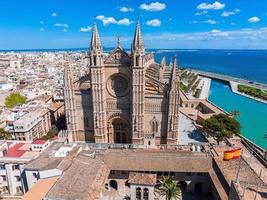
x=234, y=88
x=233, y=82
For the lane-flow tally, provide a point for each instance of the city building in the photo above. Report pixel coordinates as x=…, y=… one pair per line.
x=13, y=157
x=124, y=98
x=48, y=164
x=105, y=171
x=32, y=125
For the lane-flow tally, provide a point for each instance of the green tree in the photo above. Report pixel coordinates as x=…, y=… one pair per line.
x=4, y=135
x=221, y=126
x=50, y=134
x=169, y=189
x=14, y=99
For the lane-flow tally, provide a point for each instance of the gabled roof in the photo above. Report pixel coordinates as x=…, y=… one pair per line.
x=118, y=56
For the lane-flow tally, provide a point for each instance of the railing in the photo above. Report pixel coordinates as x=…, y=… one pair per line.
x=239, y=188
x=179, y=148
x=112, y=146
x=255, y=150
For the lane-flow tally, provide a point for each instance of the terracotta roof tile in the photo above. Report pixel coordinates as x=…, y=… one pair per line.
x=142, y=178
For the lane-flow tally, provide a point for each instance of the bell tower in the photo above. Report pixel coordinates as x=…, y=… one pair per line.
x=138, y=86
x=97, y=77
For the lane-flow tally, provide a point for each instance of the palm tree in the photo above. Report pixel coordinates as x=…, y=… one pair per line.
x=235, y=113
x=169, y=189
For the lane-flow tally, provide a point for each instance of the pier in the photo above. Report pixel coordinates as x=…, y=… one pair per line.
x=227, y=78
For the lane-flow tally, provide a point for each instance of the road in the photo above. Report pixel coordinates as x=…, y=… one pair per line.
x=226, y=78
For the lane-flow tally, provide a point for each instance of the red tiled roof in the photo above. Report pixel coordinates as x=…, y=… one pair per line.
x=39, y=141
x=14, y=151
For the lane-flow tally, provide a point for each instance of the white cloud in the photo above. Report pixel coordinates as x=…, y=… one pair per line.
x=61, y=25
x=85, y=29
x=253, y=20
x=65, y=30
x=214, y=6
x=227, y=14
x=111, y=20
x=125, y=9
x=209, y=21
x=193, y=22
x=53, y=14
x=153, y=22
x=216, y=32
x=125, y=22
x=204, y=12
x=243, y=34
x=232, y=23
x=106, y=20
x=155, y=6
x=41, y=22
x=42, y=29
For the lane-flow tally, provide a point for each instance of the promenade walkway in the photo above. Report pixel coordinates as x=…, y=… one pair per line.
x=226, y=78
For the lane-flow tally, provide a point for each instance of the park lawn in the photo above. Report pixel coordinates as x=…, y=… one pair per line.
x=254, y=92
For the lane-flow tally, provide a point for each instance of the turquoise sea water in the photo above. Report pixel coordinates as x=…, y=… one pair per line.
x=247, y=64
x=253, y=115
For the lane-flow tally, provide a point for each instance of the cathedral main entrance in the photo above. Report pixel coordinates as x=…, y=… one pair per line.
x=121, y=132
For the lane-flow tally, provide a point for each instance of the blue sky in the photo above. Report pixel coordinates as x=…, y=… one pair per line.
x=30, y=24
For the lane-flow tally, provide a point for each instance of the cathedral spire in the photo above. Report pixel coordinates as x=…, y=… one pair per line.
x=173, y=110
x=138, y=43
x=95, y=39
x=174, y=78
x=119, y=41
x=69, y=101
x=163, y=61
x=174, y=69
x=67, y=76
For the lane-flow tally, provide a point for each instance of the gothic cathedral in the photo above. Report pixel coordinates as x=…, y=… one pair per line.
x=124, y=98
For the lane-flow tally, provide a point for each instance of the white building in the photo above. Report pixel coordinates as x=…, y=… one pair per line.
x=32, y=125
x=47, y=164
x=13, y=157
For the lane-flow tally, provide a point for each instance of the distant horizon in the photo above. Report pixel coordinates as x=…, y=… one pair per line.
x=187, y=24
x=84, y=48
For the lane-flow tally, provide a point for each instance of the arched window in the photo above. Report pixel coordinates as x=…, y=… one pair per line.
x=146, y=194
x=94, y=59
x=182, y=185
x=138, y=193
x=154, y=125
x=113, y=184
x=137, y=61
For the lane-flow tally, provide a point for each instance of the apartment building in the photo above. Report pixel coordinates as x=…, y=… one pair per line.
x=14, y=155
x=32, y=125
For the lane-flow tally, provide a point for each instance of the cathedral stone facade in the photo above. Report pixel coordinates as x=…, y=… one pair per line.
x=124, y=98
